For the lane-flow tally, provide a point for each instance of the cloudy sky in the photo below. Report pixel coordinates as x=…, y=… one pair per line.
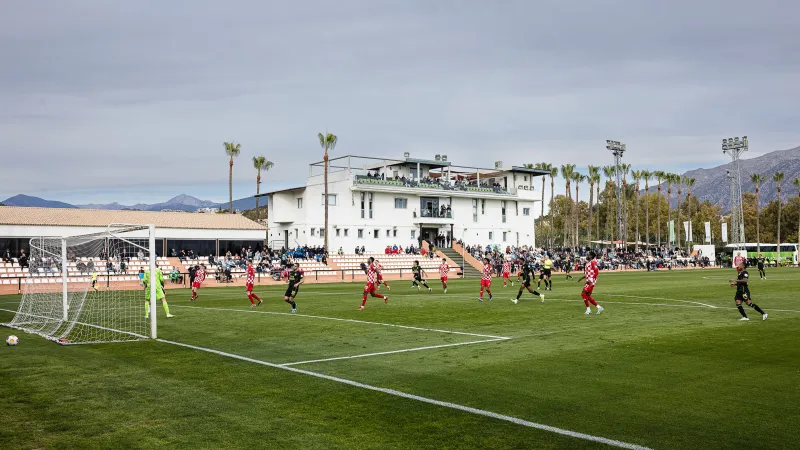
x=131, y=101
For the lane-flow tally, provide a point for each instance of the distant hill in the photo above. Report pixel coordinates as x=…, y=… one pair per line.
x=27, y=200
x=181, y=202
x=712, y=184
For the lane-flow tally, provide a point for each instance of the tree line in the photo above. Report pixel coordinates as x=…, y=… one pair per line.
x=571, y=221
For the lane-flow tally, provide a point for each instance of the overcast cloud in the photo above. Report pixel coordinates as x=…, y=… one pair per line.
x=131, y=101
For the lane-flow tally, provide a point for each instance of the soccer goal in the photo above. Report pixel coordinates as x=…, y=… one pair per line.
x=86, y=289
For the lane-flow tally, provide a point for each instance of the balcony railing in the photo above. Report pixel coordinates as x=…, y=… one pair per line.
x=437, y=214
x=429, y=184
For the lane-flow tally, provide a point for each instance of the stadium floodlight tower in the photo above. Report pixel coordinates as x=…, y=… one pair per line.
x=734, y=147
x=618, y=148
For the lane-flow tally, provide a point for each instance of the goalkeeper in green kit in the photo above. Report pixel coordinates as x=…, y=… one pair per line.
x=159, y=280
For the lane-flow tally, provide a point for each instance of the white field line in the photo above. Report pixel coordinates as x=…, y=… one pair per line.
x=721, y=308
x=430, y=347
x=407, y=327
x=467, y=409
x=661, y=298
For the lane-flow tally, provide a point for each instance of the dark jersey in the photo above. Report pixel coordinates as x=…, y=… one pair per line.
x=416, y=270
x=742, y=288
x=295, y=277
x=527, y=272
x=761, y=262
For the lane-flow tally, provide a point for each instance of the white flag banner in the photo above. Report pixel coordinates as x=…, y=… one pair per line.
x=708, y=232
x=724, y=232
x=687, y=230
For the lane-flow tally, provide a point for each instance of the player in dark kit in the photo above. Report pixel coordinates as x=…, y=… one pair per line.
x=761, y=261
x=568, y=266
x=527, y=274
x=417, y=270
x=743, y=293
x=295, y=279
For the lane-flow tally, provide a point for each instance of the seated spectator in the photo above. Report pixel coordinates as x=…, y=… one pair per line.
x=387, y=250
x=123, y=268
x=141, y=276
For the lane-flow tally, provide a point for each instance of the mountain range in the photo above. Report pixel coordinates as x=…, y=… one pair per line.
x=181, y=202
x=712, y=184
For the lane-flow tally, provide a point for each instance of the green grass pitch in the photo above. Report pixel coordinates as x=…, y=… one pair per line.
x=666, y=365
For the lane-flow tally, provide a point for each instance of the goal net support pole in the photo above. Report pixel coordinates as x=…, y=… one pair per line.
x=153, y=301
x=64, y=280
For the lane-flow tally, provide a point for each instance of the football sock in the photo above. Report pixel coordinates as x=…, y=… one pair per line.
x=426, y=285
x=294, y=305
x=165, y=305
x=591, y=300
x=364, y=302
x=754, y=306
x=741, y=310
x=536, y=293
x=255, y=297
x=586, y=301
x=147, y=307
x=519, y=294
x=250, y=297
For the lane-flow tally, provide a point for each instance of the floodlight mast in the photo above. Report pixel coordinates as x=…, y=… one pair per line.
x=617, y=149
x=734, y=147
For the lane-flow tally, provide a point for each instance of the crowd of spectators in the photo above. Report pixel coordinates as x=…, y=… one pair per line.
x=436, y=183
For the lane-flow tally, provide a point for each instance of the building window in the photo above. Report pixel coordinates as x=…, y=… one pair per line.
x=505, y=235
x=338, y=232
x=413, y=234
x=362, y=205
x=503, y=211
x=491, y=235
x=322, y=232
x=300, y=203
x=296, y=234
x=400, y=203
x=312, y=231
x=370, y=205
x=361, y=233
x=388, y=233
x=516, y=207
x=526, y=211
x=394, y=234
x=474, y=209
x=376, y=233
x=331, y=200
x=346, y=232
x=483, y=206
x=524, y=178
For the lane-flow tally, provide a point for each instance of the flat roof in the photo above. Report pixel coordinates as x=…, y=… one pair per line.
x=264, y=194
x=73, y=217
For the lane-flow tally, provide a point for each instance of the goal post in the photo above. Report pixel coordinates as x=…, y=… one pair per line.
x=87, y=288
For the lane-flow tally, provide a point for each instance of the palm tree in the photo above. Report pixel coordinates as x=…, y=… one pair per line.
x=796, y=183
x=646, y=175
x=553, y=175
x=637, y=175
x=327, y=142
x=592, y=178
x=578, y=178
x=689, y=183
x=541, y=166
x=778, y=178
x=567, y=170
x=232, y=150
x=260, y=163
x=609, y=172
x=671, y=178
x=659, y=175
x=757, y=180
x=625, y=168
x=679, y=181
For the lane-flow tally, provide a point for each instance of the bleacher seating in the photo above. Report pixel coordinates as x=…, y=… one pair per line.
x=393, y=264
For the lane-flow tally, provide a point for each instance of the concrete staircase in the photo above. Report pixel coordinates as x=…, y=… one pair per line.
x=469, y=271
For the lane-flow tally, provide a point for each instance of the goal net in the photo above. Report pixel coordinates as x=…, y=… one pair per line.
x=87, y=289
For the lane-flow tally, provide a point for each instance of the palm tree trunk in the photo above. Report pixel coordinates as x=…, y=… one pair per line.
x=609, y=224
x=658, y=204
x=326, y=196
x=552, y=213
x=589, y=231
x=598, y=210
x=758, y=224
x=566, y=214
x=258, y=191
x=543, y=180
x=678, y=227
x=779, y=225
x=577, y=219
x=230, y=187
x=636, y=238
x=646, y=214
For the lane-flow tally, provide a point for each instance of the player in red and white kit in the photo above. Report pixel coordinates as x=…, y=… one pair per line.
x=381, y=281
x=251, y=279
x=486, y=278
x=199, y=277
x=506, y=273
x=590, y=275
x=444, y=270
x=738, y=260
x=372, y=278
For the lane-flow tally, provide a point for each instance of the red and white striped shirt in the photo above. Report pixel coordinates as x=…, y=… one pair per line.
x=506, y=267
x=251, y=275
x=591, y=272
x=444, y=269
x=378, y=268
x=487, y=272
x=372, y=274
x=199, y=276
x=739, y=259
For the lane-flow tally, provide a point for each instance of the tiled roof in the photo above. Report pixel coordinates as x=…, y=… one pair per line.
x=17, y=215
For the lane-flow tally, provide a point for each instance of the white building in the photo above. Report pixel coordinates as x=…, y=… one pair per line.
x=377, y=202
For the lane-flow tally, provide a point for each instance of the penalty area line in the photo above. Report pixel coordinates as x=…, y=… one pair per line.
x=396, y=393
x=416, y=349
x=407, y=327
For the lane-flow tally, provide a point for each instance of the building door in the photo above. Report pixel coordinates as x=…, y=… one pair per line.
x=517, y=238
x=286, y=238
